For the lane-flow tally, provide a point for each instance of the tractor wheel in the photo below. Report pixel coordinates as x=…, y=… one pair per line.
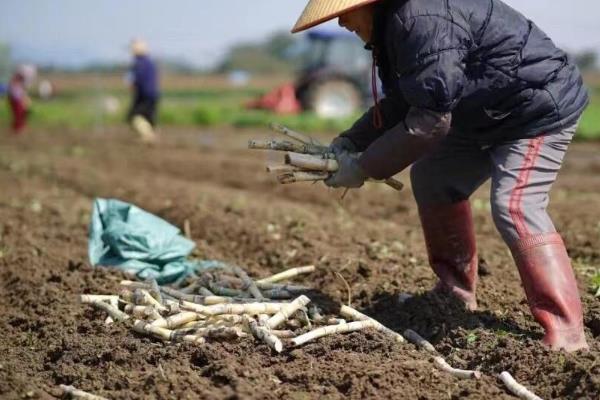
x=333, y=99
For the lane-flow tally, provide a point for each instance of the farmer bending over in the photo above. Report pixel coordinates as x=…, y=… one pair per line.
x=144, y=76
x=473, y=90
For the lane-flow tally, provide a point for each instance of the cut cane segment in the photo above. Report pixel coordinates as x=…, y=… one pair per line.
x=111, y=310
x=294, y=177
x=247, y=308
x=419, y=341
x=75, y=393
x=285, y=145
x=350, y=312
x=263, y=334
x=310, y=162
x=331, y=329
x=286, y=311
x=249, y=284
x=92, y=298
x=459, y=373
x=300, y=137
x=287, y=274
x=516, y=388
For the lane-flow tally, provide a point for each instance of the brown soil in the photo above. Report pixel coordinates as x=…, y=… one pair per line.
x=239, y=214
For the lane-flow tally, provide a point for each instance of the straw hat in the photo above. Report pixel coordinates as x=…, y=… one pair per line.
x=319, y=11
x=138, y=47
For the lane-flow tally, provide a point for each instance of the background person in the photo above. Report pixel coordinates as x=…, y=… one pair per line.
x=474, y=91
x=18, y=99
x=144, y=77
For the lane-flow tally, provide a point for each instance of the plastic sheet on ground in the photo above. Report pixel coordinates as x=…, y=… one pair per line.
x=142, y=244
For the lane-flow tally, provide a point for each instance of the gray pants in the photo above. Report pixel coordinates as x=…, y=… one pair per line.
x=522, y=173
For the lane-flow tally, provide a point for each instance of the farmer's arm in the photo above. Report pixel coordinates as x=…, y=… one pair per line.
x=393, y=110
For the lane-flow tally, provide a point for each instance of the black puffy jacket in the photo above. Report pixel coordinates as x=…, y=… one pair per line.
x=496, y=71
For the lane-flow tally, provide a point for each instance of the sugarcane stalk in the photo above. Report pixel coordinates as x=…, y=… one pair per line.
x=331, y=329
x=310, y=162
x=294, y=177
x=137, y=311
x=92, y=298
x=75, y=393
x=350, y=312
x=156, y=331
x=177, y=320
x=282, y=168
x=223, y=291
x=287, y=274
x=134, y=284
x=154, y=290
x=111, y=310
x=516, y=388
x=245, y=308
x=286, y=311
x=278, y=294
x=300, y=137
x=286, y=287
x=193, y=339
x=191, y=288
x=205, y=292
x=263, y=334
x=285, y=145
x=419, y=341
x=221, y=332
x=282, y=334
x=247, y=282
x=459, y=373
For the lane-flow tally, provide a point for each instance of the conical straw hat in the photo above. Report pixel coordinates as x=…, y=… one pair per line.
x=319, y=11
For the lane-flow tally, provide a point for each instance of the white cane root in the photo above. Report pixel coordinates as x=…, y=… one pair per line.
x=75, y=393
x=516, y=388
x=459, y=373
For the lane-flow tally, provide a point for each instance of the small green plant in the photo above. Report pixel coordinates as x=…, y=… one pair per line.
x=596, y=283
x=472, y=337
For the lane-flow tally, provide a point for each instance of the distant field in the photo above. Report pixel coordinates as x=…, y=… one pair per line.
x=86, y=101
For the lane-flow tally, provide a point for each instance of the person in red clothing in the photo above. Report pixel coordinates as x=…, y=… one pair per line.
x=18, y=99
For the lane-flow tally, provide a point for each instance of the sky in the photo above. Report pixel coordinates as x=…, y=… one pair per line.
x=77, y=32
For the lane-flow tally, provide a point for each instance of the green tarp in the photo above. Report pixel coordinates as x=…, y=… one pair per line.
x=125, y=236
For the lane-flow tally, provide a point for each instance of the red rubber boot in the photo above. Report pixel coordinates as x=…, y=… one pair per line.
x=551, y=290
x=450, y=241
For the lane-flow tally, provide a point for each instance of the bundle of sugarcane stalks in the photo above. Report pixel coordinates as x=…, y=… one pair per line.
x=306, y=160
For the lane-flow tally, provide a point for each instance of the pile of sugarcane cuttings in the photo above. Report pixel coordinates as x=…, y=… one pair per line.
x=306, y=160
x=224, y=303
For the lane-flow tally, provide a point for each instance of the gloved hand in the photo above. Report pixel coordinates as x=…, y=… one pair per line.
x=341, y=144
x=349, y=174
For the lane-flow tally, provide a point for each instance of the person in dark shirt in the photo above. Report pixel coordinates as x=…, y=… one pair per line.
x=473, y=91
x=144, y=76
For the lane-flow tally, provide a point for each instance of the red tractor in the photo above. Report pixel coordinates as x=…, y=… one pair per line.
x=334, y=80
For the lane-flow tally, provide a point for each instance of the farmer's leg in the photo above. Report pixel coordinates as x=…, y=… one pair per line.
x=442, y=183
x=19, y=115
x=522, y=176
x=142, y=118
